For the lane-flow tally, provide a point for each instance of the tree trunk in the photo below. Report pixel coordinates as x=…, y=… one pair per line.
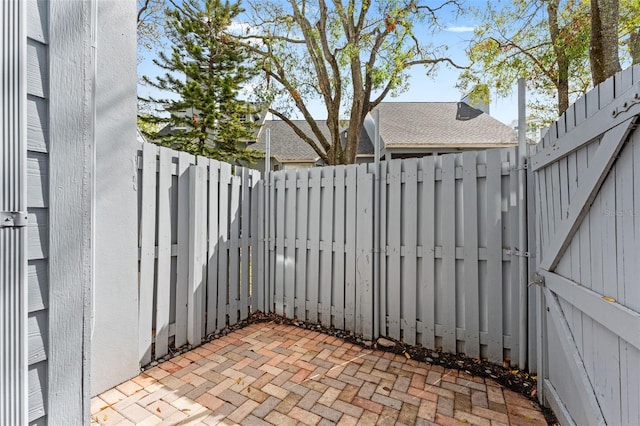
x=634, y=46
x=603, y=51
x=562, y=79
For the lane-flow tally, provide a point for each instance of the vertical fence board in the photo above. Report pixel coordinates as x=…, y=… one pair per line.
x=147, y=251
x=393, y=237
x=364, y=254
x=280, y=237
x=448, y=282
x=326, y=245
x=513, y=284
x=245, y=234
x=428, y=252
x=184, y=160
x=163, y=283
x=301, y=235
x=494, y=256
x=350, y=263
x=409, y=241
x=255, y=232
x=470, y=251
x=196, y=254
x=204, y=162
x=223, y=244
x=271, y=274
x=382, y=247
x=234, y=249
x=214, y=246
x=313, y=282
x=258, y=258
x=339, y=248
x=290, y=243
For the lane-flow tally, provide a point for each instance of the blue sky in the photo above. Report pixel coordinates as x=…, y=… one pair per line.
x=422, y=88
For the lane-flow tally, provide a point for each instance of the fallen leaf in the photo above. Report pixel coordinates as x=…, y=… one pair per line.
x=104, y=419
x=407, y=355
x=534, y=393
x=608, y=299
x=387, y=388
x=158, y=410
x=514, y=372
x=323, y=377
x=464, y=420
x=248, y=389
x=238, y=381
x=186, y=409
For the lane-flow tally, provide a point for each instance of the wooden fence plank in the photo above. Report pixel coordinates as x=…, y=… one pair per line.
x=197, y=255
x=350, y=257
x=382, y=247
x=428, y=252
x=364, y=253
x=409, y=241
x=255, y=235
x=326, y=245
x=280, y=237
x=245, y=235
x=147, y=251
x=471, y=293
x=301, y=236
x=313, y=225
x=258, y=258
x=182, y=288
x=393, y=256
x=338, y=279
x=494, y=256
x=448, y=226
x=163, y=282
x=512, y=279
x=223, y=244
x=271, y=270
x=214, y=246
x=290, y=243
x=234, y=249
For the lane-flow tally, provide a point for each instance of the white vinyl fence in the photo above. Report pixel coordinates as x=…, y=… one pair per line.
x=198, y=222
x=428, y=255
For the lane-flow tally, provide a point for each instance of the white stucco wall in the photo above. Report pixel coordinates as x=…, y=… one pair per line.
x=114, y=343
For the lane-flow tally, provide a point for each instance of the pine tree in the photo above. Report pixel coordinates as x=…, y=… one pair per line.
x=204, y=71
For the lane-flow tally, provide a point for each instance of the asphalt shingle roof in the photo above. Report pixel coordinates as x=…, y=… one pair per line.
x=435, y=124
x=286, y=145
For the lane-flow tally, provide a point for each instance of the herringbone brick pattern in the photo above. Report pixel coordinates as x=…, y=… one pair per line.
x=284, y=375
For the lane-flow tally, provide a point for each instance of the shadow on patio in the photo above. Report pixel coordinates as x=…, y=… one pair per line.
x=268, y=373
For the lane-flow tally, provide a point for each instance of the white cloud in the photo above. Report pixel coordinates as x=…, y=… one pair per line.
x=460, y=29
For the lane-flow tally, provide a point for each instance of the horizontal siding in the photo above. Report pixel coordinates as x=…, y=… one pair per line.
x=37, y=180
x=38, y=285
x=37, y=19
x=37, y=204
x=37, y=390
x=37, y=75
x=37, y=124
x=37, y=330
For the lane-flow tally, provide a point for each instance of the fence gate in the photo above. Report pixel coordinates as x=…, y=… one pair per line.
x=587, y=178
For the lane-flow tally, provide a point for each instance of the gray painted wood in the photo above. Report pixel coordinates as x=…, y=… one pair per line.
x=70, y=267
x=364, y=253
x=37, y=180
x=37, y=77
x=313, y=224
x=163, y=289
x=494, y=256
x=37, y=399
x=37, y=20
x=245, y=235
x=382, y=247
x=182, y=279
x=37, y=332
x=471, y=291
x=409, y=224
x=38, y=297
x=326, y=245
x=279, y=198
x=37, y=124
x=338, y=278
x=147, y=251
x=301, y=249
x=223, y=239
x=511, y=280
x=290, y=239
x=234, y=249
x=394, y=246
x=428, y=252
x=197, y=254
x=448, y=284
x=350, y=250
x=213, y=249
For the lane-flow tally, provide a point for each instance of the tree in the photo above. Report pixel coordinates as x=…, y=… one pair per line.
x=349, y=54
x=150, y=22
x=205, y=71
x=630, y=28
x=544, y=41
x=603, y=51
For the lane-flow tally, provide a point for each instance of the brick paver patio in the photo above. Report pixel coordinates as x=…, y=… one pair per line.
x=284, y=375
